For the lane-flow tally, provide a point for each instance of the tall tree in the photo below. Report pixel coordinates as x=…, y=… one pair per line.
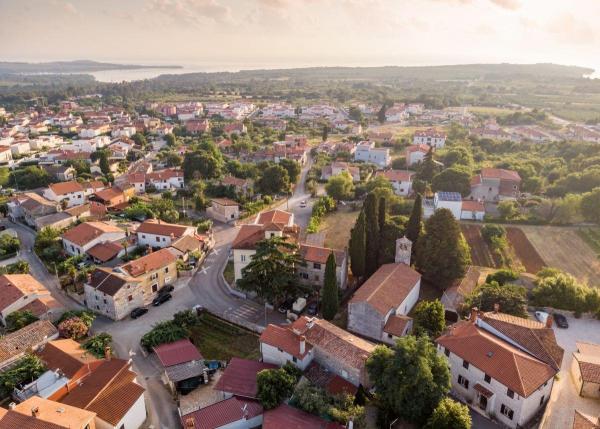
x=442, y=254
x=330, y=303
x=414, y=225
x=340, y=187
x=453, y=179
x=274, y=180
x=358, y=247
x=449, y=414
x=372, y=234
x=325, y=132
x=292, y=167
x=410, y=378
x=382, y=212
x=430, y=318
x=427, y=168
x=511, y=298
x=271, y=272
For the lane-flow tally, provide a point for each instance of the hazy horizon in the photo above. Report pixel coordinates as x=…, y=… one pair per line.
x=287, y=33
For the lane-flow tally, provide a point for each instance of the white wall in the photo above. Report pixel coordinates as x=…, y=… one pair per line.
x=241, y=258
x=275, y=356
x=134, y=418
x=107, y=236
x=410, y=300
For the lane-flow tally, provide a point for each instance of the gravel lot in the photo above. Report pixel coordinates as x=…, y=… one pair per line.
x=565, y=398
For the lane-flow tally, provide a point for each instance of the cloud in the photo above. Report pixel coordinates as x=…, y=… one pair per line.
x=507, y=4
x=569, y=29
x=192, y=11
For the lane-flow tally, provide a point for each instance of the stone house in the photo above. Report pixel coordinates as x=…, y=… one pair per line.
x=223, y=210
x=155, y=233
x=585, y=369
x=312, y=271
x=501, y=364
x=495, y=184
x=81, y=238
x=379, y=308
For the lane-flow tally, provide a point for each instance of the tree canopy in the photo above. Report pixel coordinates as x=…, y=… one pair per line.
x=429, y=318
x=330, y=303
x=449, y=414
x=340, y=187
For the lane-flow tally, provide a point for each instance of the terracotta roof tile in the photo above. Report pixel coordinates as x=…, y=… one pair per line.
x=387, y=287
x=31, y=336
x=582, y=421
x=396, y=175
x=105, y=251
x=177, y=352
x=153, y=261
x=284, y=339
x=54, y=412
x=225, y=201
x=319, y=254
x=239, y=378
x=274, y=216
x=66, y=355
x=285, y=416
x=41, y=306
x=500, y=173
x=108, y=282
x=396, y=325
x=15, y=286
x=223, y=413
x=152, y=226
x=88, y=231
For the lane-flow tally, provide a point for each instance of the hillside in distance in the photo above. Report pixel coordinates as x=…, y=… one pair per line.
x=80, y=66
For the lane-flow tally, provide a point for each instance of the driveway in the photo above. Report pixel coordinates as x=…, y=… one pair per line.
x=565, y=398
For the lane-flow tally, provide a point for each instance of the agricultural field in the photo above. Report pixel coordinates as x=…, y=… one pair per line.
x=524, y=250
x=592, y=238
x=564, y=248
x=480, y=254
x=337, y=226
x=491, y=111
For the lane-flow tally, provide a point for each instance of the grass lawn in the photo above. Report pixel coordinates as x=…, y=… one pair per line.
x=229, y=274
x=591, y=236
x=337, y=226
x=217, y=339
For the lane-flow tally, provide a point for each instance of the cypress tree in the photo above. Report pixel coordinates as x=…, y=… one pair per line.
x=427, y=170
x=413, y=227
x=330, y=304
x=358, y=247
x=372, y=234
x=382, y=212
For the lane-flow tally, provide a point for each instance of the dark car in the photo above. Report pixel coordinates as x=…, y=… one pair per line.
x=162, y=298
x=166, y=289
x=561, y=320
x=312, y=308
x=137, y=312
x=287, y=305
x=2, y=227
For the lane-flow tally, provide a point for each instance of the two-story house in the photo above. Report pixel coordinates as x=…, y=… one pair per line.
x=22, y=292
x=338, y=168
x=495, y=184
x=415, y=154
x=167, y=179
x=70, y=192
x=81, y=238
x=312, y=270
x=401, y=180
x=224, y=210
x=312, y=339
x=501, y=364
x=430, y=137
x=367, y=152
x=115, y=292
x=379, y=308
x=155, y=233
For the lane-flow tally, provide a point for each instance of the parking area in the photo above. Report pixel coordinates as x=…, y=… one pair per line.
x=565, y=398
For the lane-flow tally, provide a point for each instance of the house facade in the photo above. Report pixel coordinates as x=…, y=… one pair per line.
x=495, y=184
x=367, y=152
x=430, y=137
x=224, y=210
x=70, y=192
x=312, y=271
x=401, y=180
x=155, y=233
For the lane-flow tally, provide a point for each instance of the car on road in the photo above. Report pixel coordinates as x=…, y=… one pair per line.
x=161, y=299
x=166, y=289
x=302, y=204
x=312, y=308
x=2, y=227
x=137, y=312
x=286, y=306
x=542, y=316
x=84, y=264
x=561, y=320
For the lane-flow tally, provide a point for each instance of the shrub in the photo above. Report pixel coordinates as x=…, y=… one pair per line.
x=24, y=370
x=19, y=319
x=562, y=291
x=73, y=328
x=163, y=332
x=502, y=276
x=85, y=315
x=97, y=344
x=274, y=385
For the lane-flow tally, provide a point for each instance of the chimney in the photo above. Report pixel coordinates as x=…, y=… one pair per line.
x=474, y=312
x=302, y=344
x=107, y=353
x=496, y=308
x=12, y=406
x=189, y=422
x=35, y=412
x=549, y=321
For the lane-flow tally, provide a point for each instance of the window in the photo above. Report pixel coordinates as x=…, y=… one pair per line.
x=510, y=393
x=154, y=276
x=166, y=269
x=487, y=379
x=130, y=298
x=164, y=239
x=447, y=352
x=465, y=364
x=317, y=266
x=143, y=236
x=158, y=239
x=154, y=287
x=463, y=382
x=507, y=411
x=316, y=278
x=104, y=301
x=243, y=258
x=294, y=359
x=542, y=400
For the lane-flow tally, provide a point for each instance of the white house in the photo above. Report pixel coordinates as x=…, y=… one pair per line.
x=70, y=192
x=472, y=210
x=415, y=154
x=155, y=233
x=279, y=345
x=23, y=292
x=20, y=147
x=379, y=308
x=5, y=155
x=367, y=152
x=501, y=364
x=401, y=180
x=430, y=137
x=338, y=168
x=443, y=200
x=166, y=179
x=81, y=238
x=397, y=113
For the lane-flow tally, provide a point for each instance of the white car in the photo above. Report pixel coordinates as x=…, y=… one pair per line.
x=302, y=204
x=542, y=316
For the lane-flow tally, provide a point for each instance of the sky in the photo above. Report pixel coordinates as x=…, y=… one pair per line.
x=291, y=33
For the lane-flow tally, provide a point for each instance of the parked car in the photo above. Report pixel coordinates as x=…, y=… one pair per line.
x=161, y=299
x=312, y=308
x=561, y=320
x=199, y=309
x=286, y=306
x=84, y=264
x=302, y=204
x=166, y=289
x=137, y=312
x=2, y=227
x=542, y=316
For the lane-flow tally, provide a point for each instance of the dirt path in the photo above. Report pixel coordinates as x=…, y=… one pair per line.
x=480, y=254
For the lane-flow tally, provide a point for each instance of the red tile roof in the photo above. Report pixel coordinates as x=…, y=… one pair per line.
x=515, y=369
x=284, y=339
x=274, y=216
x=396, y=175
x=14, y=286
x=473, y=206
x=500, y=173
x=418, y=148
x=153, y=261
x=63, y=188
x=223, y=413
x=396, y=325
x=66, y=355
x=387, y=288
x=583, y=421
x=105, y=251
x=153, y=226
x=225, y=202
x=239, y=378
x=319, y=254
x=177, y=352
x=285, y=416
x=88, y=231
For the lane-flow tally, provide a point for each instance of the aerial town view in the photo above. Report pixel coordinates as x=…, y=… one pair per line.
x=299, y=214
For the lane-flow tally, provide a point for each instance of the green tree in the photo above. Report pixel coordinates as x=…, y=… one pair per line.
x=163, y=332
x=357, y=247
x=103, y=162
x=19, y=319
x=274, y=180
x=271, y=272
x=560, y=290
x=453, y=179
x=74, y=328
x=415, y=223
x=381, y=216
x=427, y=169
x=29, y=178
x=411, y=378
x=330, y=303
x=293, y=169
x=98, y=343
x=449, y=414
x=340, y=187
x=171, y=139
x=201, y=164
x=508, y=209
x=24, y=371
x=459, y=155
x=325, y=133
x=442, y=254
x=355, y=114
x=139, y=139
x=511, y=298
x=371, y=210
x=590, y=206
x=429, y=318
x=274, y=385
